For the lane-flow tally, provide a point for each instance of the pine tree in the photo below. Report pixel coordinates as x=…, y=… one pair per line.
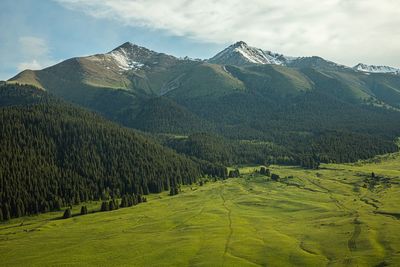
x=112, y=205
x=105, y=206
x=116, y=204
x=58, y=204
x=67, y=214
x=131, y=200
x=84, y=210
x=124, y=202
x=172, y=191
x=6, y=213
x=274, y=177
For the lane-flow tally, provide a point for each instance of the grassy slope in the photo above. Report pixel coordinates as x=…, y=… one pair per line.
x=27, y=77
x=206, y=80
x=313, y=219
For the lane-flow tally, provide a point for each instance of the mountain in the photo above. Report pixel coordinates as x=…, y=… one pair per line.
x=376, y=69
x=241, y=54
x=242, y=93
x=54, y=154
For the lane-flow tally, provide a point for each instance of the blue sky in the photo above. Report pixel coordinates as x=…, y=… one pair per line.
x=46, y=32
x=39, y=33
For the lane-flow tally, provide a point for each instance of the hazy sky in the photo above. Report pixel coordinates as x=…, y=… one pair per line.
x=39, y=33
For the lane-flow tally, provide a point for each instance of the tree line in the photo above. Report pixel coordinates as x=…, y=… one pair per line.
x=54, y=155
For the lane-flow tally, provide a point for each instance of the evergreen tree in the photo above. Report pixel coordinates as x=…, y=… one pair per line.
x=84, y=210
x=172, y=191
x=274, y=177
x=234, y=173
x=105, y=206
x=111, y=205
x=6, y=212
x=67, y=214
x=124, y=202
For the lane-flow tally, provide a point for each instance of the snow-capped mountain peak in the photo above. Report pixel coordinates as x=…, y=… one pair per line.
x=124, y=60
x=241, y=54
x=129, y=56
x=376, y=69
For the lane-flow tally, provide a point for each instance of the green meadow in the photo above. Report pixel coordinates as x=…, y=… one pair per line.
x=338, y=215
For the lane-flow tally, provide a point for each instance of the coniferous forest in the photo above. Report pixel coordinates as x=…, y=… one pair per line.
x=151, y=133
x=54, y=155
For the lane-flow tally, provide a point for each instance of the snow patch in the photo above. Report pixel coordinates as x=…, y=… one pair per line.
x=123, y=60
x=376, y=69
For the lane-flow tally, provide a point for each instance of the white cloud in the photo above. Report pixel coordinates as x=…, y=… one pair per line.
x=32, y=65
x=34, y=52
x=344, y=30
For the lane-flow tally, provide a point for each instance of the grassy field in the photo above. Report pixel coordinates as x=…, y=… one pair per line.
x=335, y=216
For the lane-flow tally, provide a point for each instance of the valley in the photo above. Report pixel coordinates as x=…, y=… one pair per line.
x=199, y=133
x=338, y=215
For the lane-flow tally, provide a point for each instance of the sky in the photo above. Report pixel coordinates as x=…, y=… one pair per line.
x=39, y=33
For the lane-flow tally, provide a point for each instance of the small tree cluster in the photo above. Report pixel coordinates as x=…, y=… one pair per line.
x=109, y=205
x=84, y=210
x=274, y=177
x=174, y=191
x=234, y=173
x=265, y=171
x=131, y=200
x=5, y=212
x=67, y=214
x=310, y=162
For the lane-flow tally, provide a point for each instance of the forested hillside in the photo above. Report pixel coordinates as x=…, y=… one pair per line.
x=53, y=154
x=278, y=110
x=307, y=150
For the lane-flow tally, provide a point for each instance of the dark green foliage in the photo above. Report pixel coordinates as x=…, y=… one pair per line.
x=111, y=205
x=173, y=191
x=309, y=162
x=274, y=177
x=12, y=95
x=53, y=153
x=234, y=173
x=84, y=210
x=162, y=115
x=67, y=214
x=328, y=146
x=265, y=171
x=124, y=201
x=6, y=212
x=105, y=206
